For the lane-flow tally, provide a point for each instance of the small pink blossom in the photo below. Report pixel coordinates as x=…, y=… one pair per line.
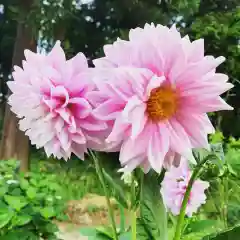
x=49, y=95
x=155, y=91
x=174, y=186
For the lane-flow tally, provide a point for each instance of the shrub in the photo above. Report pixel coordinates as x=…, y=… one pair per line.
x=28, y=204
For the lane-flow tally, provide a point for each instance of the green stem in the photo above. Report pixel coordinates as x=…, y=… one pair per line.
x=133, y=211
x=141, y=187
x=181, y=216
x=221, y=196
x=225, y=202
x=107, y=195
x=134, y=225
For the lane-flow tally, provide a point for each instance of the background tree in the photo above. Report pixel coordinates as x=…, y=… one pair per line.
x=14, y=143
x=86, y=25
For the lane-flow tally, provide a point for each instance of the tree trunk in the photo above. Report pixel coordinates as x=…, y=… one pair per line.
x=14, y=143
x=9, y=133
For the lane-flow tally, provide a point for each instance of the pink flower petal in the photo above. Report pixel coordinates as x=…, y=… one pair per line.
x=57, y=57
x=179, y=140
x=138, y=126
x=61, y=93
x=80, y=107
x=50, y=96
x=92, y=124
x=108, y=110
x=133, y=149
x=158, y=146
x=78, y=64
x=196, y=126
x=174, y=186
x=154, y=82
x=118, y=130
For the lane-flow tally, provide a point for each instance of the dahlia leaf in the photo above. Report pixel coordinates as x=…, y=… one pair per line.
x=118, y=191
x=230, y=234
x=93, y=234
x=142, y=231
x=152, y=209
x=199, y=226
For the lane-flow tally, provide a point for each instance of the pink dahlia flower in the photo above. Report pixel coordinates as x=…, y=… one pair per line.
x=49, y=96
x=174, y=186
x=155, y=91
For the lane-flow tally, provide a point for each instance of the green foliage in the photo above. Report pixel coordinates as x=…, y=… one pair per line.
x=223, y=194
x=230, y=234
x=93, y=233
x=27, y=204
x=153, y=218
x=217, y=137
x=75, y=177
x=103, y=233
x=196, y=226
x=218, y=23
x=117, y=190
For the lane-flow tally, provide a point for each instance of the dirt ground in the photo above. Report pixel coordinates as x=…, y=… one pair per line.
x=90, y=211
x=70, y=231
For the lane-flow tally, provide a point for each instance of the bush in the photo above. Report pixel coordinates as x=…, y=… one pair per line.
x=28, y=204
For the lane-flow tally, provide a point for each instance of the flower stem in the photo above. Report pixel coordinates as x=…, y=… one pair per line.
x=225, y=201
x=133, y=211
x=134, y=225
x=107, y=195
x=195, y=173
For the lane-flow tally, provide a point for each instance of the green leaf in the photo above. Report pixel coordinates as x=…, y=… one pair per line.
x=16, y=202
x=93, y=234
x=51, y=227
x=3, y=205
x=3, y=190
x=142, y=232
x=53, y=186
x=118, y=192
x=231, y=234
x=217, y=148
x=125, y=236
x=6, y=215
x=24, y=184
x=47, y=212
x=122, y=218
x=217, y=137
x=152, y=210
x=13, y=9
x=22, y=234
x=33, y=182
x=200, y=154
x=17, y=191
x=31, y=192
x=105, y=230
x=21, y=220
x=198, y=226
x=90, y=232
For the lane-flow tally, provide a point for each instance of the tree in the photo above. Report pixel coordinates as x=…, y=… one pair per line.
x=86, y=27
x=217, y=21
x=14, y=143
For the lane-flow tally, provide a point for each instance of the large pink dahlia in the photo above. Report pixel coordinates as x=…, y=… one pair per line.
x=174, y=186
x=49, y=95
x=155, y=91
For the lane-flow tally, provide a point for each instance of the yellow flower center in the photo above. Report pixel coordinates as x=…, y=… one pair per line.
x=162, y=103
